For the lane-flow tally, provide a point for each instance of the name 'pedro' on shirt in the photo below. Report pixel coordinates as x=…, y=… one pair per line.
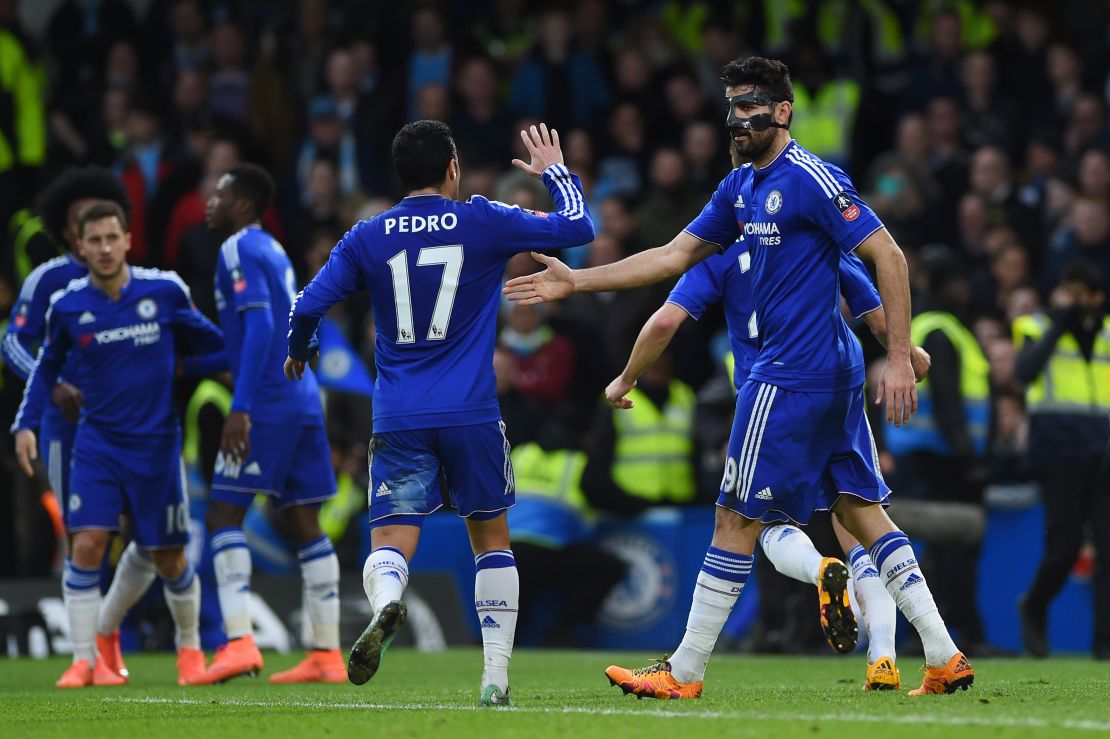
x=416, y=224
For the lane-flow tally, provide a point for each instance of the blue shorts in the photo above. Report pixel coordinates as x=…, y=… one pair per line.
x=408, y=471
x=792, y=453
x=56, y=452
x=144, y=478
x=292, y=463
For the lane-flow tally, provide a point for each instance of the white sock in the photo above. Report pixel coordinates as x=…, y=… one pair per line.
x=879, y=613
x=183, y=599
x=133, y=577
x=320, y=579
x=81, y=593
x=792, y=552
x=903, y=579
x=384, y=577
x=496, y=599
x=722, y=578
x=232, y=561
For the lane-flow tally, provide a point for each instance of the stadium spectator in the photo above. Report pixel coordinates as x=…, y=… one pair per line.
x=1064, y=362
x=432, y=57
x=672, y=201
x=479, y=112
x=558, y=82
x=544, y=360
x=942, y=451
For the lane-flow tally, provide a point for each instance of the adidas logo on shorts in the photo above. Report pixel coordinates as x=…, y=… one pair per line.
x=383, y=490
x=764, y=494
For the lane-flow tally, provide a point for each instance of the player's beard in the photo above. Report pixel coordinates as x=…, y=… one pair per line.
x=751, y=145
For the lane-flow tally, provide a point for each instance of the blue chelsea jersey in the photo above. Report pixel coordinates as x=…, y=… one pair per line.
x=798, y=216
x=125, y=351
x=433, y=268
x=27, y=324
x=725, y=278
x=253, y=272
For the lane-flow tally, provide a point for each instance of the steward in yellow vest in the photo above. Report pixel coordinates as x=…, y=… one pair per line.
x=1064, y=361
x=653, y=444
x=551, y=525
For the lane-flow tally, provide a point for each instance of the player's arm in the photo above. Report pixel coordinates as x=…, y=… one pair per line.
x=26, y=325
x=522, y=230
x=897, y=385
x=200, y=365
x=645, y=268
x=654, y=338
x=36, y=394
x=864, y=302
x=712, y=231
x=339, y=277
x=198, y=334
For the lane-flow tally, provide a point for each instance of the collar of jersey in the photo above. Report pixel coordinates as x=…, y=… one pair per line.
x=777, y=161
x=424, y=195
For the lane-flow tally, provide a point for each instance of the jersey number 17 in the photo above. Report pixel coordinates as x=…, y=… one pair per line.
x=451, y=257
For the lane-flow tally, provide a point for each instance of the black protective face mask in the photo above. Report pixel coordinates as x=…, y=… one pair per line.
x=756, y=123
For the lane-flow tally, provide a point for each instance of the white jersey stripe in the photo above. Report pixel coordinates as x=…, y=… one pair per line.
x=749, y=435
x=809, y=167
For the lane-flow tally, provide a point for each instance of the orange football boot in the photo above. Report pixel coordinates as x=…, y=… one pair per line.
x=654, y=681
x=77, y=675
x=237, y=657
x=108, y=648
x=883, y=674
x=104, y=676
x=320, y=666
x=190, y=666
x=956, y=675
x=837, y=619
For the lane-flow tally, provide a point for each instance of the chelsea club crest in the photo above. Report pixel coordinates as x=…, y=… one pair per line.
x=774, y=202
x=146, y=308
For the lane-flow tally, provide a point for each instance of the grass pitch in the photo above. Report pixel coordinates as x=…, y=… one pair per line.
x=561, y=694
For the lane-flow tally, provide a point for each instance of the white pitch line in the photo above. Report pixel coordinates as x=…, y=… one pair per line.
x=999, y=721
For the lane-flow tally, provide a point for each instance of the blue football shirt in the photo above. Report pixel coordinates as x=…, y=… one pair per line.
x=27, y=324
x=798, y=216
x=253, y=272
x=125, y=351
x=725, y=278
x=433, y=268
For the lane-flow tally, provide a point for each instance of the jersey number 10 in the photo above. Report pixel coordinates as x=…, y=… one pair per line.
x=451, y=257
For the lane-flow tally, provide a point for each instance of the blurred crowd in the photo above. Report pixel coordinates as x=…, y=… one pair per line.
x=977, y=130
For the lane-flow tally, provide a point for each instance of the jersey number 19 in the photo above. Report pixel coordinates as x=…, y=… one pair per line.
x=451, y=257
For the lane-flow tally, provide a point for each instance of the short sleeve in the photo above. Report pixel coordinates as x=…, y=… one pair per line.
x=716, y=224
x=699, y=289
x=835, y=207
x=856, y=286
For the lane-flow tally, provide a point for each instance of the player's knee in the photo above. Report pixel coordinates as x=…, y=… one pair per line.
x=305, y=523
x=88, y=548
x=222, y=515
x=170, y=563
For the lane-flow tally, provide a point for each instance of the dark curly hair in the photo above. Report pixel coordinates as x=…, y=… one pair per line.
x=769, y=75
x=77, y=184
x=421, y=153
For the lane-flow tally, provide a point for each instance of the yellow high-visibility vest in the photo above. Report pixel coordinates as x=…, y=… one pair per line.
x=21, y=79
x=823, y=122
x=921, y=433
x=654, y=449
x=1068, y=383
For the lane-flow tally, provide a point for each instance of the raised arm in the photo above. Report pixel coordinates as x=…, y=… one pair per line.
x=897, y=386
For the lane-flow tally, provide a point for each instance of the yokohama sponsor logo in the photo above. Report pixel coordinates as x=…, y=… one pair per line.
x=763, y=228
x=142, y=333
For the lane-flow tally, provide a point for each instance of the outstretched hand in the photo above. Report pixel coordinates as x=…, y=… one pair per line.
x=543, y=147
x=552, y=284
